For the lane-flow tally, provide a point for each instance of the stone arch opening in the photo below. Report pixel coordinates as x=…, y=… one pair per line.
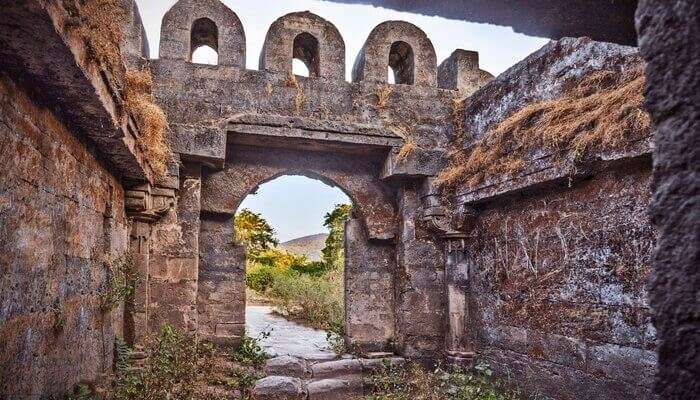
x=305, y=48
x=402, y=62
x=369, y=262
x=303, y=272
x=204, y=39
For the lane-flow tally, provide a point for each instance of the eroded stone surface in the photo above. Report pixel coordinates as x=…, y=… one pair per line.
x=279, y=388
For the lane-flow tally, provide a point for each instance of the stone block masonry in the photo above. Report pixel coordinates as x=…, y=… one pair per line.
x=61, y=216
x=541, y=272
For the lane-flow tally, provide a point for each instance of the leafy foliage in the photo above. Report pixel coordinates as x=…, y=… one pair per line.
x=253, y=231
x=411, y=382
x=171, y=370
x=249, y=351
x=121, y=282
x=310, y=292
x=333, y=252
x=317, y=301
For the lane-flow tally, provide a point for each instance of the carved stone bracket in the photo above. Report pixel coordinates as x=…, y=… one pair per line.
x=447, y=222
x=146, y=203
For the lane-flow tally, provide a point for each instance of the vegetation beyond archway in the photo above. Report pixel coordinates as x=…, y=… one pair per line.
x=307, y=291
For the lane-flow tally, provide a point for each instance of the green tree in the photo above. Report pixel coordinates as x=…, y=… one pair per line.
x=333, y=252
x=253, y=231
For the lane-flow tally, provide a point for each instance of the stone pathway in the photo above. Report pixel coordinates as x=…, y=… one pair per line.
x=302, y=365
x=292, y=378
x=286, y=338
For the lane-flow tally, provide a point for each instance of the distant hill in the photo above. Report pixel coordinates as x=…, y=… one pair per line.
x=310, y=246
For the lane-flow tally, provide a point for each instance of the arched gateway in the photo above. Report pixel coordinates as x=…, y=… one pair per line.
x=234, y=129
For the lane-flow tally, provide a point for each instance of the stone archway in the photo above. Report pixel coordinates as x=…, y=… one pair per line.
x=370, y=260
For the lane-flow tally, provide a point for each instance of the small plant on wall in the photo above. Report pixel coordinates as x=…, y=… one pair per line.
x=121, y=282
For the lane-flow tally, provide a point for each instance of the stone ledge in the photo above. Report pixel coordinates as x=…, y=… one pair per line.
x=84, y=95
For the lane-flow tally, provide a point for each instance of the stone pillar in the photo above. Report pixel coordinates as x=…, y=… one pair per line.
x=369, y=290
x=458, y=344
x=145, y=205
x=136, y=313
x=221, y=296
x=174, y=258
x=669, y=34
x=420, y=285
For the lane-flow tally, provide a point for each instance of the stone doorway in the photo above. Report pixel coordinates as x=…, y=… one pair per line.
x=369, y=249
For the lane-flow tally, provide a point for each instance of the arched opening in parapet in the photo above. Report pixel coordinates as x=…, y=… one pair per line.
x=401, y=63
x=204, y=42
x=306, y=50
x=293, y=229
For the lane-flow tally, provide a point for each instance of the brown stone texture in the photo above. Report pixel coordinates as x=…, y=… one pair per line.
x=560, y=253
x=193, y=23
x=323, y=51
x=369, y=290
x=668, y=39
x=221, y=296
x=420, y=285
x=371, y=64
x=174, y=258
x=541, y=273
x=61, y=215
x=558, y=285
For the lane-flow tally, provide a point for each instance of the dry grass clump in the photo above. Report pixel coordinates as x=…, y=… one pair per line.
x=300, y=97
x=602, y=112
x=409, y=143
x=139, y=102
x=98, y=22
x=409, y=146
x=383, y=96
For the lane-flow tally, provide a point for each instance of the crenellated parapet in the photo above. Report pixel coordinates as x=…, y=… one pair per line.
x=460, y=71
x=309, y=38
x=404, y=48
x=190, y=24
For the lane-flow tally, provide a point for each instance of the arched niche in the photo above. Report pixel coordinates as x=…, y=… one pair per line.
x=190, y=24
x=309, y=38
x=401, y=46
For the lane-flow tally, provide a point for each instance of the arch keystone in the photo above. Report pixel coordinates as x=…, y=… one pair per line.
x=309, y=38
x=193, y=23
x=402, y=46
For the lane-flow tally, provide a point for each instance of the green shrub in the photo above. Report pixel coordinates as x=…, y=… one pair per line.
x=249, y=351
x=415, y=382
x=260, y=277
x=315, y=300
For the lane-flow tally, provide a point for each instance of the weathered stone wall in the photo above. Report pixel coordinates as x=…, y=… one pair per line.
x=174, y=258
x=61, y=215
x=248, y=127
x=559, y=253
x=369, y=290
x=558, y=297
x=668, y=40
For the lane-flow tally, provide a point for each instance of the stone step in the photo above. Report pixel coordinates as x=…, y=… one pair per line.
x=347, y=368
x=335, y=389
x=288, y=366
x=279, y=388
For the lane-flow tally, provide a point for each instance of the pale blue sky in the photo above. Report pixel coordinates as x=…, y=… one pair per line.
x=295, y=205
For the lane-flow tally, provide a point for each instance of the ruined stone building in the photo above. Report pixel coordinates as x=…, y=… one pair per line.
x=535, y=257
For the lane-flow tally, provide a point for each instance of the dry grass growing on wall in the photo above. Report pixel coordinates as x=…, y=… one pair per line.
x=300, y=98
x=139, y=102
x=602, y=112
x=99, y=23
